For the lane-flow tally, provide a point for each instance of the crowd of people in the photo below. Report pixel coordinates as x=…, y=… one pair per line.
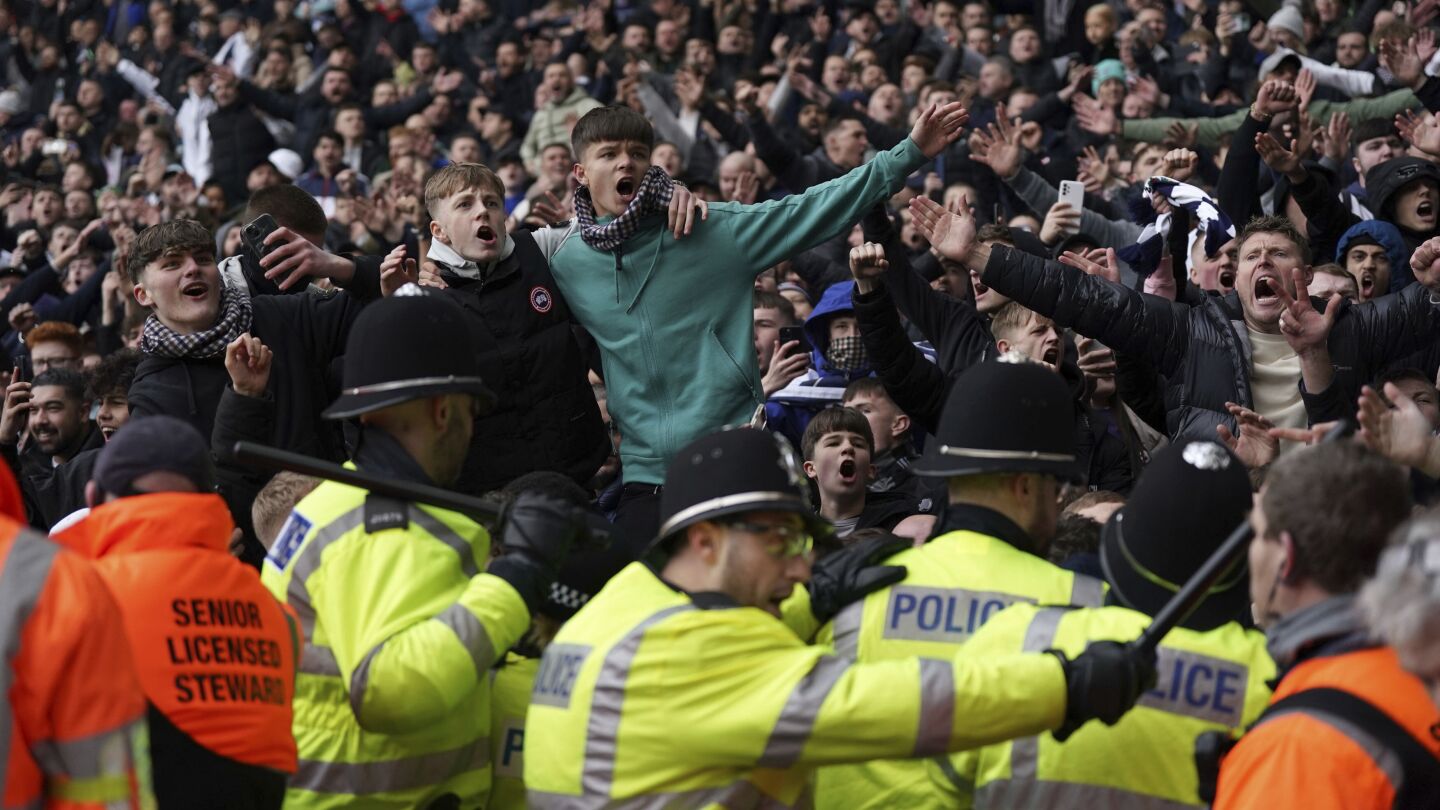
x=829, y=394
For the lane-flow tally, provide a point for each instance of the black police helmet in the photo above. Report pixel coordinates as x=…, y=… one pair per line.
x=1005, y=417
x=405, y=347
x=730, y=472
x=1189, y=498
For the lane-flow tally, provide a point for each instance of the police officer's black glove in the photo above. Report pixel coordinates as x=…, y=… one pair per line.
x=537, y=534
x=852, y=572
x=1102, y=684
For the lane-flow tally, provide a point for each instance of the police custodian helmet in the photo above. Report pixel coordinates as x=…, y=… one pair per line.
x=733, y=471
x=1005, y=417
x=411, y=345
x=1187, y=501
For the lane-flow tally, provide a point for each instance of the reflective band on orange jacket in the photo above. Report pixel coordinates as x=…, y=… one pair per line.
x=1300, y=760
x=72, y=731
x=215, y=651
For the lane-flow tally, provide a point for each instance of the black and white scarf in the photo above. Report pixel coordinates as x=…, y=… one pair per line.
x=162, y=341
x=653, y=196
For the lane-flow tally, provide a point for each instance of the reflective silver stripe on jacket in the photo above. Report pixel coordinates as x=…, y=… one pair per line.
x=1024, y=788
x=391, y=775
x=468, y=629
x=89, y=757
x=603, y=730
x=1087, y=592
x=26, y=568
x=736, y=796
x=316, y=659
x=1031, y=793
x=847, y=630
x=937, y=707
x=1025, y=751
x=802, y=709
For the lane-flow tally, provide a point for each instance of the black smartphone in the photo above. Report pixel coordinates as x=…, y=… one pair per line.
x=412, y=244
x=255, y=233
x=795, y=333
x=27, y=369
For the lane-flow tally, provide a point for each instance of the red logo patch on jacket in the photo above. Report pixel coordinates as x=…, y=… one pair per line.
x=540, y=300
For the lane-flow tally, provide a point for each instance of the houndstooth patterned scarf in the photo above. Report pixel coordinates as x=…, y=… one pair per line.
x=654, y=193
x=160, y=340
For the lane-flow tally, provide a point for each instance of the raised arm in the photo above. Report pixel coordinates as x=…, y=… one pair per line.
x=771, y=231
x=1123, y=319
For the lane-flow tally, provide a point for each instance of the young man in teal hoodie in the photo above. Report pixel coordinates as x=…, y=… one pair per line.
x=673, y=318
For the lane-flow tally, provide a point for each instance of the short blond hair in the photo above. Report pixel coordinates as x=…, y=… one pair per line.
x=458, y=177
x=274, y=502
x=1006, y=321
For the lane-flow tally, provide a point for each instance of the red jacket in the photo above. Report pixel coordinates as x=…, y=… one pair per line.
x=215, y=652
x=1296, y=760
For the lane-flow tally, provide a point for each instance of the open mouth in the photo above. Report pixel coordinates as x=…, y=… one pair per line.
x=1227, y=280
x=847, y=471
x=1051, y=356
x=44, y=434
x=1425, y=210
x=1367, y=284
x=485, y=234
x=980, y=289
x=625, y=187
x=1265, y=290
x=107, y=432
x=195, y=289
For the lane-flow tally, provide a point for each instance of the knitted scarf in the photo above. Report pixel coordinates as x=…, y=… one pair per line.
x=162, y=341
x=651, y=197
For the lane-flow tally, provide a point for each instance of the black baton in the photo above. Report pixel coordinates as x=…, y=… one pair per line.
x=1189, y=597
x=485, y=510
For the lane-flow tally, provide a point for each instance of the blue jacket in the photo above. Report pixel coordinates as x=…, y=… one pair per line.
x=789, y=411
x=1389, y=238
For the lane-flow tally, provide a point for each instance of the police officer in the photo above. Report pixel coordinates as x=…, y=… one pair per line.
x=679, y=685
x=1212, y=671
x=401, y=616
x=1005, y=441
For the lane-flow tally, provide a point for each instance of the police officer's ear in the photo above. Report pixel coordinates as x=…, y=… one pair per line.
x=705, y=539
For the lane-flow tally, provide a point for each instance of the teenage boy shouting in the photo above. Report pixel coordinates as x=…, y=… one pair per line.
x=837, y=447
x=673, y=319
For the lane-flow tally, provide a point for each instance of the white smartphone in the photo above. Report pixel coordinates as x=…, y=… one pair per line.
x=1073, y=192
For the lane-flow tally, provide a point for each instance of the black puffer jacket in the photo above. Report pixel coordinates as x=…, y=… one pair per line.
x=305, y=332
x=1203, y=351
x=239, y=143
x=546, y=417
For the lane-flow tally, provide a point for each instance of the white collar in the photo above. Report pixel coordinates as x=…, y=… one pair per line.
x=461, y=266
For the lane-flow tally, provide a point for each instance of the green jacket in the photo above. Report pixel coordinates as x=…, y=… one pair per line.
x=1152, y=130
x=674, y=318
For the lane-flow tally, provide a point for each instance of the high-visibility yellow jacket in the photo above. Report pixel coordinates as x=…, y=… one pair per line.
x=510, y=685
x=1210, y=681
x=651, y=693
x=392, y=700
x=954, y=584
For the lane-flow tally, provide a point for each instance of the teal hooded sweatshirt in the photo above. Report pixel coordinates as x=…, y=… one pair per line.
x=674, y=318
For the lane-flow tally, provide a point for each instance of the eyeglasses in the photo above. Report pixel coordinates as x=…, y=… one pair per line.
x=786, y=541
x=46, y=363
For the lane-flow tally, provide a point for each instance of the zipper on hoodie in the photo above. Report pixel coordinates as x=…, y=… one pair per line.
x=618, y=267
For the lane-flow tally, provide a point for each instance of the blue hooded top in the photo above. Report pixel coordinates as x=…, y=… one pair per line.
x=788, y=412
x=1388, y=237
